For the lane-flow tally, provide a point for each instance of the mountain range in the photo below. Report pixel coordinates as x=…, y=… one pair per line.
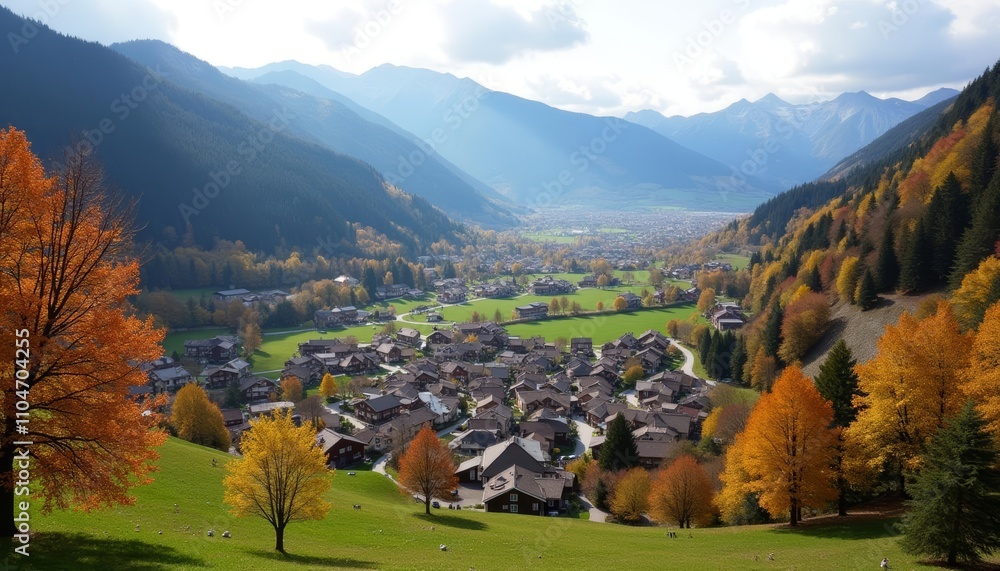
x=788, y=144
x=533, y=154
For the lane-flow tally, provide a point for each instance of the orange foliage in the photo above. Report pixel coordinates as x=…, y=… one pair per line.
x=981, y=379
x=909, y=389
x=788, y=447
x=426, y=468
x=682, y=494
x=68, y=270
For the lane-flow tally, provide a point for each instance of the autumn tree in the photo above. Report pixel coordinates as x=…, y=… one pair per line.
x=979, y=290
x=908, y=389
x=706, y=301
x=281, y=477
x=805, y=321
x=847, y=279
x=619, y=451
x=603, y=281
x=633, y=374
x=68, y=269
x=631, y=497
x=981, y=378
x=600, y=306
x=251, y=338
x=312, y=410
x=328, y=386
x=291, y=388
x=620, y=304
x=655, y=277
x=197, y=419
x=955, y=510
x=426, y=468
x=788, y=447
x=554, y=307
x=682, y=494
x=764, y=371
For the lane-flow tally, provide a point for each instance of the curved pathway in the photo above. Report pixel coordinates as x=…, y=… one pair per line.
x=688, y=366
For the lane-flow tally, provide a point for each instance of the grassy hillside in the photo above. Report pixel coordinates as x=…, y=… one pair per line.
x=389, y=532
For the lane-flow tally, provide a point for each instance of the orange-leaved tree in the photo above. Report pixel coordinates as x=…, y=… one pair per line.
x=631, y=496
x=291, y=389
x=682, y=494
x=281, y=477
x=788, y=447
x=197, y=419
x=426, y=468
x=71, y=346
x=981, y=379
x=909, y=389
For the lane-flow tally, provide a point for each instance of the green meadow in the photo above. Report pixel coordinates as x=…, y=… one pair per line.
x=391, y=532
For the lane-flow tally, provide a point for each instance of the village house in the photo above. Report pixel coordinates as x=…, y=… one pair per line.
x=257, y=389
x=726, y=317
x=341, y=450
x=218, y=349
x=518, y=490
x=583, y=346
x=230, y=295
x=221, y=376
x=165, y=375
x=408, y=336
x=632, y=301
x=336, y=317
x=534, y=310
x=547, y=285
x=378, y=410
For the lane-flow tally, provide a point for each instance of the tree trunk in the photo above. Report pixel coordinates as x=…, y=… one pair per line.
x=279, y=538
x=794, y=514
x=841, y=497
x=7, y=478
x=427, y=504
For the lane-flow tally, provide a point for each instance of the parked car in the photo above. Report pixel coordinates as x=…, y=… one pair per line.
x=435, y=504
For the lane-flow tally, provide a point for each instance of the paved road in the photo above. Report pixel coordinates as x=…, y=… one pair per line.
x=335, y=408
x=688, y=366
x=595, y=514
x=584, y=434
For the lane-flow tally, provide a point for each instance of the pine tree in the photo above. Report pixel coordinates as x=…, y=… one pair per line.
x=715, y=352
x=619, y=451
x=914, y=271
x=738, y=360
x=979, y=241
x=945, y=220
x=886, y=273
x=955, y=510
x=838, y=383
x=867, y=293
x=704, y=344
x=771, y=336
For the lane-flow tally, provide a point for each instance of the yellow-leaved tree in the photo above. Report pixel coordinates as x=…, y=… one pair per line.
x=979, y=290
x=787, y=449
x=328, y=386
x=291, y=389
x=197, y=419
x=631, y=497
x=281, y=477
x=981, y=379
x=908, y=391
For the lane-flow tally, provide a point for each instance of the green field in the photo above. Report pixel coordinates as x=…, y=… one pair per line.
x=391, y=532
x=587, y=298
x=738, y=262
x=605, y=327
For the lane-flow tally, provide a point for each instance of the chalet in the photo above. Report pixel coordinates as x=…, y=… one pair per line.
x=341, y=450
x=445, y=409
x=501, y=456
x=452, y=295
x=549, y=432
x=534, y=310
x=547, y=285
x=519, y=490
x=221, y=376
x=345, y=280
x=588, y=281
x=169, y=379
x=389, y=352
x=408, y=336
x=255, y=410
x=581, y=346
x=530, y=401
x=230, y=295
x=314, y=346
x=232, y=418
x=727, y=319
x=336, y=317
x=273, y=296
x=475, y=441
x=495, y=289
x=402, y=429
x=359, y=363
x=434, y=317
x=257, y=389
x=378, y=410
x=441, y=337
x=632, y=301
x=216, y=350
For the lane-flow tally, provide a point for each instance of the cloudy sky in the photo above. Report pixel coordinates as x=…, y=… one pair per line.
x=596, y=56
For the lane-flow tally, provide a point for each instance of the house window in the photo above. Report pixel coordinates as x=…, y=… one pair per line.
x=513, y=497
x=341, y=451
x=552, y=503
x=534, y=507
x=513, y=508
x=505, y=507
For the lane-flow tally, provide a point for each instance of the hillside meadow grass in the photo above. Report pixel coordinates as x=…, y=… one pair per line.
x=391, y=532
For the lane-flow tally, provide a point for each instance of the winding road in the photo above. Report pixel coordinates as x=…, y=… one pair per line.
x=688, y=366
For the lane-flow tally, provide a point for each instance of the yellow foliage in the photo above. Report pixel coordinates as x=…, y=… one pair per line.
x=281, y=477
x=631, y=496
x=197, y=419
x=981, y=379
x=971, y=298
x=909, y=389
x=847, y=279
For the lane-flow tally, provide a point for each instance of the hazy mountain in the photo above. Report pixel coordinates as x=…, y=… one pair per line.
x=197, y=166
x=334, y=121
x=532, y=153
x=799, y=142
